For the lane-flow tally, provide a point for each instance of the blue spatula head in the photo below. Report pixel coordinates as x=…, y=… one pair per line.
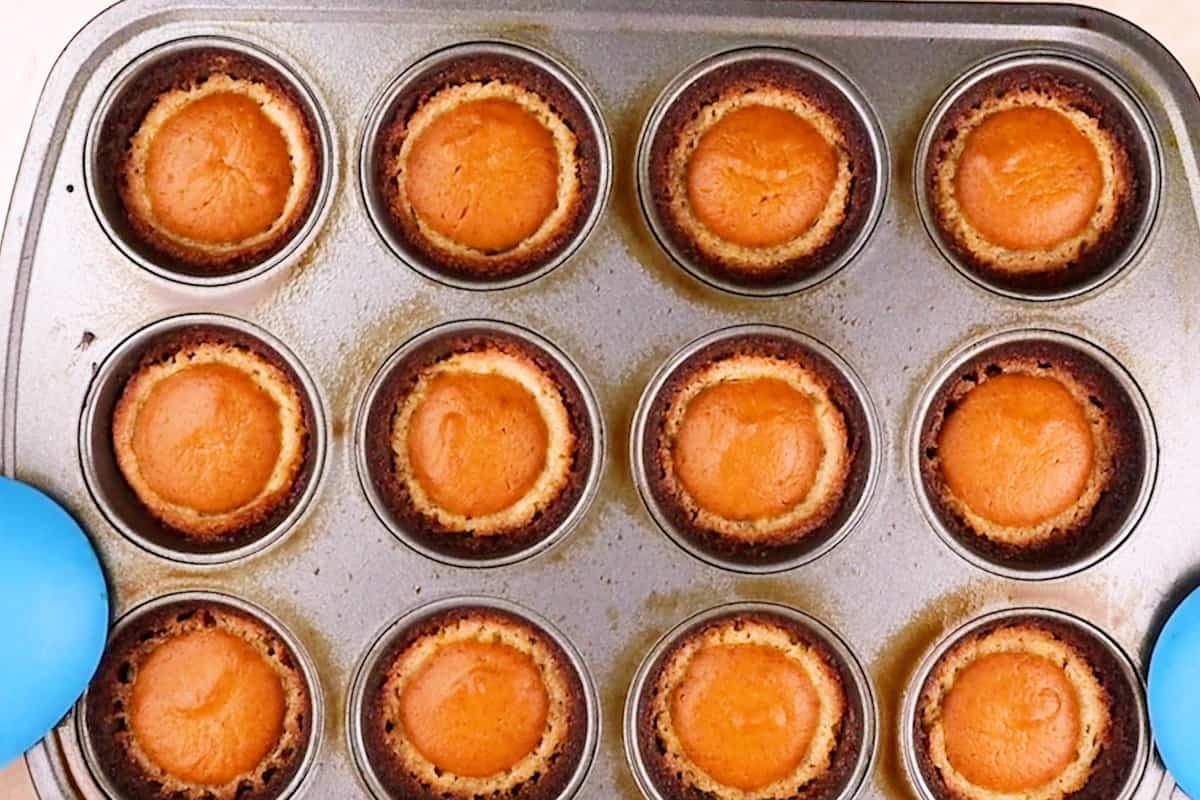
x=1174, y=691
x=53, y=615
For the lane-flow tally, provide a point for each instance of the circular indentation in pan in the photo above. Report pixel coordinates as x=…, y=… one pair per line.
x=1135, y=456
x=103, y=756
x=1123, y=764
x=372, y=671
x=838, y=97
x=389, y=499
x=1104, y=97
x=846, y=390
x=108, y=486
x=130, y=96
x=482, y=62
x=855, y=751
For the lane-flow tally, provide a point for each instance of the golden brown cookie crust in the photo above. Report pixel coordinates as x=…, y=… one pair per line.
x=120, y=756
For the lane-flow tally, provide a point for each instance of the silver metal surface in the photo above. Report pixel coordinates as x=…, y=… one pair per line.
x=1091, y=73
x=808, y=64
x=1132, y=515
x=107, y=205
x=107, y=486
x=98, y=780
x=1129, y=674
x=355, y=711
x=594, y=471
x=620, y=306
x=856, y=504
x=867, y=709
x=381, y=111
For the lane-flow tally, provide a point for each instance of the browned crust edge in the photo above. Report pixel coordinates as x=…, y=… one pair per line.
x=108, y=734
x=391, y=489
x=850, y=734
x=169, y=345
x=1117, y=499
x=815, y=531
x=1133, y=175
x=400, y=783
x=486, y=68
x=745, y=76
x=1118, y=756
x=182, y=72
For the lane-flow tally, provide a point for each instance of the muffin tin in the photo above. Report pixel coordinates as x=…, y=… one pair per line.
x=619, y=306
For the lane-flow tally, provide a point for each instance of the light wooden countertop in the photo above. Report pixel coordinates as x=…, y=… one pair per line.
x=35, y=33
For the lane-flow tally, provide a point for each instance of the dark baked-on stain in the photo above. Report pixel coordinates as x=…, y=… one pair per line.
x=176, y=343
x=1134, y=173
x=486, y=68
x=381, y=460
x=401, y=783
x=845, y=754
x=785, y=545
x=1116, y=501
x=185, y=71
x=745, y=76
x=107, y=697
x=1117, y=757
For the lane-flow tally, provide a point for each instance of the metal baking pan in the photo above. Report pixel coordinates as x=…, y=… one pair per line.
x=618, y=308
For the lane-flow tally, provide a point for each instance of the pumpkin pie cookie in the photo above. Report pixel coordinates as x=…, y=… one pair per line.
x=1034, y=180
x=201, y=701
x=475, y=702
x=761, y=172
x=216, y=160
x=211, y=432
x=489, y=167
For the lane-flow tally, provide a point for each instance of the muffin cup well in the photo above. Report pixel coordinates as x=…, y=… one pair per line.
x=1128, y=702
x=868, y=193
x=119, y=113
x=113, y=495
x=1120, y=506
x=368, y=670
x=399, y=97
x=1121, y=109
x=860, y=695
x=314, y=725
x=372, y=448
x=863, y=428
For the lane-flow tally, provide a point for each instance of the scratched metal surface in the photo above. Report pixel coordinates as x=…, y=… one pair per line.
x=619, y=307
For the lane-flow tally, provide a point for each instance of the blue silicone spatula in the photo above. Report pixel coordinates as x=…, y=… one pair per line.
x=1174, y=694
x=53, y=615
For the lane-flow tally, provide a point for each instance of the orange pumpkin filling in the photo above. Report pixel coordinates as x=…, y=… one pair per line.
x=483, y=174
x=207, y=438
x=1028, y=179
x=218, y=171
x=748, y=449
x=475, y=708
x=1018, y=450
x=760, y=176
x=477, y=442
x=206, y=707
x=745, y=714
x=1011, y=722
